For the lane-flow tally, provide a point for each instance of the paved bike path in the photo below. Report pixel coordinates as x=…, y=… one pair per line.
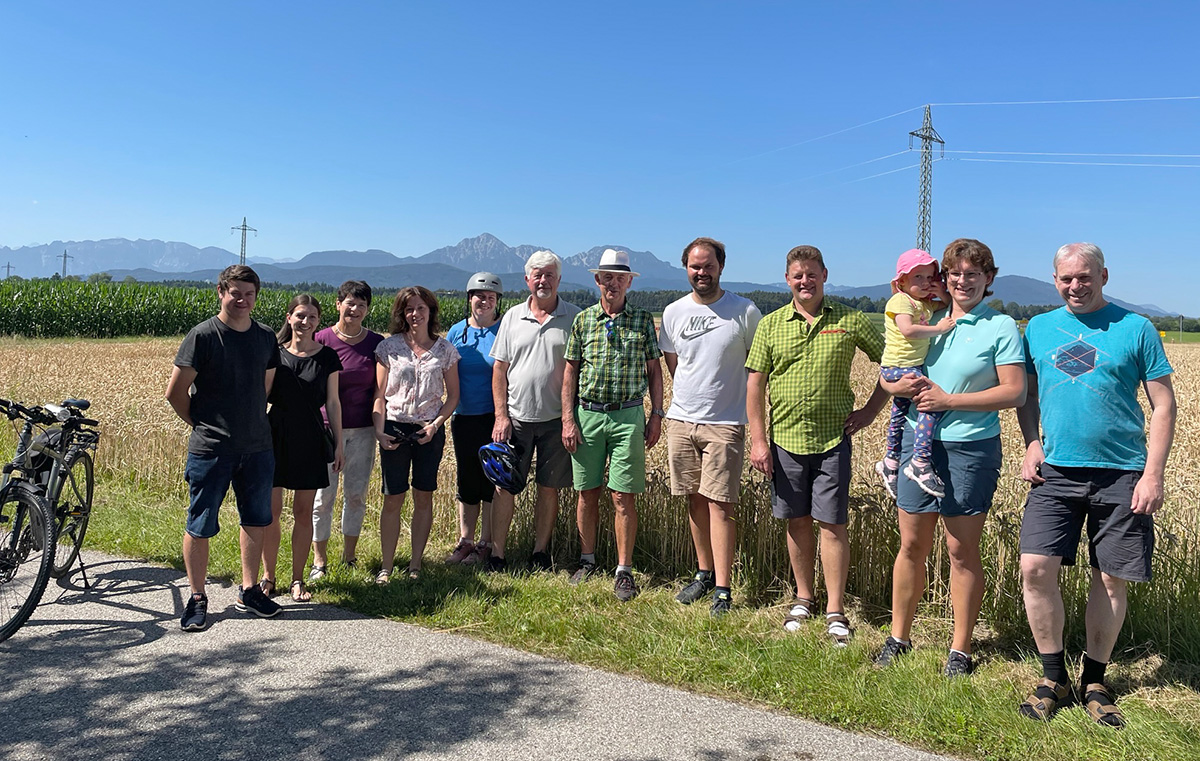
x=108, y=674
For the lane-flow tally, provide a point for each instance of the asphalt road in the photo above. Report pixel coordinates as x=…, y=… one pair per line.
x=108, y=674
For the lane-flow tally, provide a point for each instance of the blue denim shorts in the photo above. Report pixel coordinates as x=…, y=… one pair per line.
x=209, y=478
x=970, y=470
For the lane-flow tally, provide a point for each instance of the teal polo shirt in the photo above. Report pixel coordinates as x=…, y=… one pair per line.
x=965, y=360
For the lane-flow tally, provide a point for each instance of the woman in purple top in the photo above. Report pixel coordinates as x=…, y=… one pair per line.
x=416, y=390
x=355, y=346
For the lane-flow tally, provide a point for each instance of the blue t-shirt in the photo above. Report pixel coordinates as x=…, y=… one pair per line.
x=474, y=346
x=965, y=360
x=1088, y=368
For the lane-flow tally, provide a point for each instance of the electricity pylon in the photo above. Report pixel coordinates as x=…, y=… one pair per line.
x=928, y=136
x=244, y=230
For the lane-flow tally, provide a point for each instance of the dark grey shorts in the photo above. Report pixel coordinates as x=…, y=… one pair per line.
x=553, y=461
x=816, y=485
x=970, y=470
x=1120, y=542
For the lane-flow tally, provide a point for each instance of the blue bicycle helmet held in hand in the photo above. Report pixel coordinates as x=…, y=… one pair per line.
x=499, y=463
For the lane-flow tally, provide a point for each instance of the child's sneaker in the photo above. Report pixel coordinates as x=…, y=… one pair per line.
x=921, y=473
x=890, y=474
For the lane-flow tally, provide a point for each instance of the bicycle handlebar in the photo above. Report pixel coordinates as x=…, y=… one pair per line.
x=67, y=413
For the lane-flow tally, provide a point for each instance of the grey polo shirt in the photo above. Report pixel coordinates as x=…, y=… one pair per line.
x=534, y=354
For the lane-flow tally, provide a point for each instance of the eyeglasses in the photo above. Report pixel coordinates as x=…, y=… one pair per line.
x=970, y=276
x=611, y=327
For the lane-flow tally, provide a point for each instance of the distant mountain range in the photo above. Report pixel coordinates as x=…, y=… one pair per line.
x=446, y=268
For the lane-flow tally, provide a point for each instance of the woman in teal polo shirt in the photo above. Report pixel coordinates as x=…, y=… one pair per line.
x=973, y=371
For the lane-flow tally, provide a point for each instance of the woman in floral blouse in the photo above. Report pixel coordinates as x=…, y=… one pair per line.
x=416, y=392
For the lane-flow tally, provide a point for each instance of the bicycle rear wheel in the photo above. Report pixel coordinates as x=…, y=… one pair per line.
x=26, y=541
x=72, y=512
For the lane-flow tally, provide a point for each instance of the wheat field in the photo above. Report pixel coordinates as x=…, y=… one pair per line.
x=144, y=445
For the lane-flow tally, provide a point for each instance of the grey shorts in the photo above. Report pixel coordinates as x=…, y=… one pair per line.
x=553, y=461
x=970, y=470
x=816, y=485
x=1120, y=542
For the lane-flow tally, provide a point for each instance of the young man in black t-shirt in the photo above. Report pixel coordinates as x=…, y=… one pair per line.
x=219, y=386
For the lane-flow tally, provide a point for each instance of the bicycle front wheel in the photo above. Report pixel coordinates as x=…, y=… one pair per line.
x=72, y=512
x=26, y=554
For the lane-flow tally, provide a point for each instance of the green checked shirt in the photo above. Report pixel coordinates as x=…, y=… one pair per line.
x=612, y=363
x=808, y=372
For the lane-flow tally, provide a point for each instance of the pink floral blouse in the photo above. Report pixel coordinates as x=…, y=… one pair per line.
x=415, y=385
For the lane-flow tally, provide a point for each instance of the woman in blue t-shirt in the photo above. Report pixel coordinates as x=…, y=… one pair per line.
x=475, y=416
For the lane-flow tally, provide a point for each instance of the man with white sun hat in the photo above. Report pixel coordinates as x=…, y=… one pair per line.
x=612, y=359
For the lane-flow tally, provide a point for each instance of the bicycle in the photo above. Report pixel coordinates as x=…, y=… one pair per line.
x=45, y=503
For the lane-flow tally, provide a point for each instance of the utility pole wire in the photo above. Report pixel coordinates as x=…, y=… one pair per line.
x=1081, y=163
x=1058, y=102
x=841, y=169
x=1103, y=155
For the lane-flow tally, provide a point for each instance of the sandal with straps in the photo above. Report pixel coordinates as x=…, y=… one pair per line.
x=1100, y=706
x=800, y=611
x=267, y=586
x=837, y=626
x=300, y=592
x=1047, y=699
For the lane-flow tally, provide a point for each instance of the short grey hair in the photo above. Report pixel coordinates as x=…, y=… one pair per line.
x=1089, y=251
x=541, y=259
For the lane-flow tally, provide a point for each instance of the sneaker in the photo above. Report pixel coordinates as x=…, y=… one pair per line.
x=958, y=665
x=625, y=588
x=922, y=474
x=461, y=552
x=479, y=556
x=494, y=565
x=892, y=649
x=701, y=584
x=195, y=615
x=253, y=600
x=721, y=602
x=317, y=573
x=541, y=561
x=585, y=571
x=889, y=475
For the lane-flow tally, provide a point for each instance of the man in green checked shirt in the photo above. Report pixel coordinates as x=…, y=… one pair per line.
x=612, y=358
x=802, y=352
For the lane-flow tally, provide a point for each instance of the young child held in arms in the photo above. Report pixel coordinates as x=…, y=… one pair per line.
x=918, y=291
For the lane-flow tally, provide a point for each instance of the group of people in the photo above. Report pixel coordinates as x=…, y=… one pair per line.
x=566, y=388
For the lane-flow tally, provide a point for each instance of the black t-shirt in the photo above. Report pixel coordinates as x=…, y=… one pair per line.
x=229, y=396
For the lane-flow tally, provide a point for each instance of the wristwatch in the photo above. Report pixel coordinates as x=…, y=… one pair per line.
x=659, y=412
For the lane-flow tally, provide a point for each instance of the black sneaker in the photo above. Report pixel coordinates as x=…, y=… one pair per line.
x=195, y=615
x=701, y=584
x=892, y=649
x=721, y=603
x=585, y=571
x=540, y=561
x=958, y=665
x=625, y=588
x=495, y=565
x=253, y=600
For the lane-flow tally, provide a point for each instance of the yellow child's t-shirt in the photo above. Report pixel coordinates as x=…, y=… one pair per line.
x=900, y=351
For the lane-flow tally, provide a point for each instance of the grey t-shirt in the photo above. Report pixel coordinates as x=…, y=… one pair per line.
x=229, y=396
x=535, y=355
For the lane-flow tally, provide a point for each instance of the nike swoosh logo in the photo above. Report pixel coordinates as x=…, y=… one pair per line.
x=689, y=333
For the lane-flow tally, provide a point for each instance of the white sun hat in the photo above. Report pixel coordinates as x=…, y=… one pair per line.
x=613, y=260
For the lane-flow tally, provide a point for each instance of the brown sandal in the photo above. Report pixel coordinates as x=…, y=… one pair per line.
x=1047, y=698
x=1100, y=706
x=300, y=592
x=799, y=611
x=837, y=626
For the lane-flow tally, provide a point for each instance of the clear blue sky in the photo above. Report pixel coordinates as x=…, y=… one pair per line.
x=407, y=126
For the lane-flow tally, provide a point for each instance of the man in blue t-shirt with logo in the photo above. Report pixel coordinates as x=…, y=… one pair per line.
x=1092, y=466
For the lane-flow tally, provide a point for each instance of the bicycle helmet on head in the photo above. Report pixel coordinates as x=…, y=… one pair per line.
x=485, y=281
x=499, y=463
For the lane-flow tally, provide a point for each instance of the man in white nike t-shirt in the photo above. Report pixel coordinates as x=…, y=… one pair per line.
x=705, y=337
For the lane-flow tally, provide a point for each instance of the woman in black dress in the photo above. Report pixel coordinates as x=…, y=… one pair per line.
x=306, y=380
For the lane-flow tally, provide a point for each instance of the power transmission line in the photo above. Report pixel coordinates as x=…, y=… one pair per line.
x=842, y=169
x=1059, y=102
x=244, y=230
x=1103, y=155
x=1081, y=163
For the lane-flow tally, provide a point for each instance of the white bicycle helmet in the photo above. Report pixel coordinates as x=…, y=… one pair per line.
x=485, y=281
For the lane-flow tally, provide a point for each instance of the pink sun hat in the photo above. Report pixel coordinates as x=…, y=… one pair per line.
x=909, y=261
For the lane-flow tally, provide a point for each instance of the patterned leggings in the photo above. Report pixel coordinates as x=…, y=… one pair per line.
x=926, y=421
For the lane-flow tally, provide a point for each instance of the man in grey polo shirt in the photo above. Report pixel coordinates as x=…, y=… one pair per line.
x=527, y=388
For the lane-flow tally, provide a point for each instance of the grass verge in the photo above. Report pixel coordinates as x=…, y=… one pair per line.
x=746, y=656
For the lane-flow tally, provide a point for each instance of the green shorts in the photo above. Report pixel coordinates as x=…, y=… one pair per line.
x=617, y=438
